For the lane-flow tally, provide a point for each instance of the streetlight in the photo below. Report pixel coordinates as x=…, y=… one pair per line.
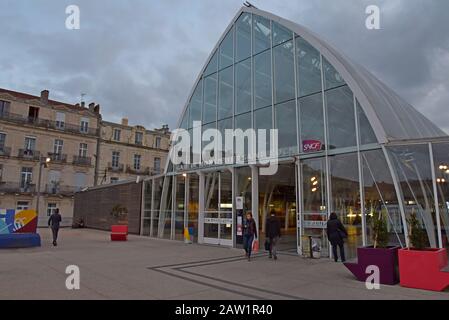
x=42, y=163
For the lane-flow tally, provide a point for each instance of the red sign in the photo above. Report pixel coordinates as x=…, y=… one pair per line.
x=311, y=145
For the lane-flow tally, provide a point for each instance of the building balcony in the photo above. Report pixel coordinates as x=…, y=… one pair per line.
x=82, y=161
x=17, y=187
x=58, y=157
x=48, y=124
x=57, y=189
x=143, y=171
x=28, y=154
x=5, y=151
x=115, y=167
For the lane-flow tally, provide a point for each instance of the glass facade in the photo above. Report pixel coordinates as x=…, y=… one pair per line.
x=333, y=156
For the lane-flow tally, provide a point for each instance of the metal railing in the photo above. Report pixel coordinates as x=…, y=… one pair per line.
x=57, y=157
x=82, y=161
x=144, y=171
x=29, y=154
x=49, y=124
x=115, y=168
x=5, y=151
x=54, y=188
x=17, y=187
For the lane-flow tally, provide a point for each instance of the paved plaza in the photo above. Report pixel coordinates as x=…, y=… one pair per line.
x=144, y=268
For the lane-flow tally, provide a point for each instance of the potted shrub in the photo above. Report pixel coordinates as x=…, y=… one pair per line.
x=120, y=214
x=380, y=254
x=421, y=267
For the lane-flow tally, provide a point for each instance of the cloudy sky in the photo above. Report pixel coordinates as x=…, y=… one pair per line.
x=139, y=58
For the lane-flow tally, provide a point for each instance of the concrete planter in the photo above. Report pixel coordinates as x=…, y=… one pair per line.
x=384, y=258
x=422, y=269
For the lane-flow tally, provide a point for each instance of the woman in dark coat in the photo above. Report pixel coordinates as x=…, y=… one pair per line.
x=249, y=234
x=336, y=233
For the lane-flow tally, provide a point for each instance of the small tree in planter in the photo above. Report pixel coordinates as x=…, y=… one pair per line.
x=417, y=236
x=380, y=254
x=421, y=267
x=120, y=214
x=380, y=231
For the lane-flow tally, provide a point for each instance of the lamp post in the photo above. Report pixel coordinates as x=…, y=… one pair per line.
x=42, y=163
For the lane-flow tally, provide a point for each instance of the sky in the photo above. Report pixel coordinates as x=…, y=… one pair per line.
x=139, y=58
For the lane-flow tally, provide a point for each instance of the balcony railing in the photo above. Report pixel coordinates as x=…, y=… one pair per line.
x=144, y=171
x=57, y=189
x=29, y=154
x=49, y=124
x=58, y=157
x=5, y=151
x=82, y=161
x=115, y=167
x=16, y=187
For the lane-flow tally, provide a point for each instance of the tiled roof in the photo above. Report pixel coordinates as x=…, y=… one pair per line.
x=26, y=96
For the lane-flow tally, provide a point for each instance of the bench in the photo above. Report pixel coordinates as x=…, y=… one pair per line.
x=119, y=233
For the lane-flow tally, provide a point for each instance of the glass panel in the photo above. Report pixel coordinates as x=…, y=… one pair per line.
x=243, y=35
x=243, y=87
x=367, y=134
x=210, y=99
x=243, y=176
x=225, y=102
x=263, y=120
x=441, y=158
x=242, y=122
x=280, y=34
x=226, y=191
x=262, y=80
x=309, y=68
x=212, y=66
x=158, y=184
x=341, y=118
x=262, y=34
x=277, y=194
x=346, y=199
x=284, y=74
x=195, y=104
x=193, y=206
x=165, y=212
x=286, y=125
x=412, y=165
x=211, y=225
x=333, y=78
x=380, y=197
x=312, y=123
x=314, y=203
x=227, y=50
x=184, y=122
x=212, y=125
x=222, y=126
x=211, y=192
x=179, y=208
x=147, y=199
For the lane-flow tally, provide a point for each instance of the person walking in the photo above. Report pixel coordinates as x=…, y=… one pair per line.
x=249, y=234
x=336, y=233
x=53, y=223
x=273, y=234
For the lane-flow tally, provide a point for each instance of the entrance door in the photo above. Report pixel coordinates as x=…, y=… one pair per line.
x=218, y=209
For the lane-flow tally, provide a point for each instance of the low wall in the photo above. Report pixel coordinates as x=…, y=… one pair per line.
x=95, y=205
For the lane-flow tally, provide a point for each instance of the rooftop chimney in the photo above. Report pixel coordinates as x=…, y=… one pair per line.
x=97, y=109
x=91, y=106
x=83, y=104
x=125, y=121
x=44, y=96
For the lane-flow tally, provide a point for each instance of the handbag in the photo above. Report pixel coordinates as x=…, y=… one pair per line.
x=267, y=245
x=255, y=246
x=342, y=234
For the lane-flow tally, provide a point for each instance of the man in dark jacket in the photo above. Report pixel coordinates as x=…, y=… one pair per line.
x=273, y=233
x=336, y=233
x=53, y=223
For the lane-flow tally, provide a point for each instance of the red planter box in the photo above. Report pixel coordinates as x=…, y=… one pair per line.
x=422, y=269
x=119, y=233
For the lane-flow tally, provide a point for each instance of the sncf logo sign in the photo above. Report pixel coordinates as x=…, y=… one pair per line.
x=311, y=145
